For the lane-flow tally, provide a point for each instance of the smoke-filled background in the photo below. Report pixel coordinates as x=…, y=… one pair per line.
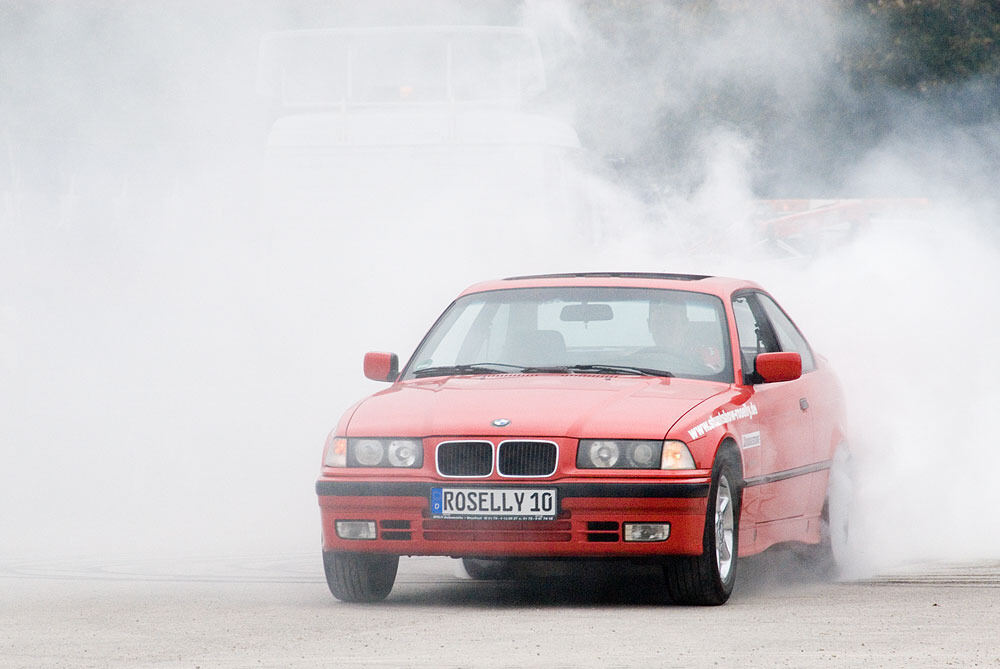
x=186, y=292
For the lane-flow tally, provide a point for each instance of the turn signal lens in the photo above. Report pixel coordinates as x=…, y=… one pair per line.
x=336, y=452
x=676, y=455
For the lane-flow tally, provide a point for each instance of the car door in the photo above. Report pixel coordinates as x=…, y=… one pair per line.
x=778, y=446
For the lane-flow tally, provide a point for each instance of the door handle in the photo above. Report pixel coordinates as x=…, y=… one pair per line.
x=803, y=404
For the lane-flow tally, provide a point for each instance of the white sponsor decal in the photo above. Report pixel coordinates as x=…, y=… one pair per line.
x=751, y=439
x=748, y=410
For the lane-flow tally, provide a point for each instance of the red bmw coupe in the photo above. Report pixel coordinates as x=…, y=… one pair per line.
x=676, y=419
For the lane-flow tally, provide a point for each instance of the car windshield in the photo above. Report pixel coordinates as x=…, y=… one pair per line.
x=637, y=331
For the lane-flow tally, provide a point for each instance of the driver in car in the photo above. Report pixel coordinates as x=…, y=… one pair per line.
x=676, y=341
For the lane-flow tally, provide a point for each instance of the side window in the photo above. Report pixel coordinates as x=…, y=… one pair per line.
x=754, y=333
x=788, y=335
x=746, y=324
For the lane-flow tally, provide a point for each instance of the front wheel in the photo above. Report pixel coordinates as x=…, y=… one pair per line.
x=708, y=579
x=360, y=577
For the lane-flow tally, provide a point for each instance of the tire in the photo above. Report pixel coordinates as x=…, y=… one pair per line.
x=360, y=577
x=708, y=579
x=837, y=525
x=828, y=557
x=486, y=570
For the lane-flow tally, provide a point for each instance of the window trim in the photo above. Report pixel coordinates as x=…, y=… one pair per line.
x=764, y=321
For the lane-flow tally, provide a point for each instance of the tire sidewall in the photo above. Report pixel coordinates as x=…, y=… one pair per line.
x=360, y=577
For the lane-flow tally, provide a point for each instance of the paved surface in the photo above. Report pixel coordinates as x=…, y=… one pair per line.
x=276, y=611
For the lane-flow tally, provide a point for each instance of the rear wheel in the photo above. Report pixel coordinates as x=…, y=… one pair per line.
x=827, y=558
x=708, y=579
x=840, y=491
x=360, y=577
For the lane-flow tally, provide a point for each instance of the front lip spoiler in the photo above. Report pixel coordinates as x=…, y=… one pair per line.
x=565, y=490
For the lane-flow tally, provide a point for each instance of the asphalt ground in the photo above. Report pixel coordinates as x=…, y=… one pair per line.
x=275, y=611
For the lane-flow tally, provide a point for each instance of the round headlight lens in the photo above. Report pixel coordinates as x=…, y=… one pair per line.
x=368, y=452
x=604, y=453
x=404, y=453
x=642, y=455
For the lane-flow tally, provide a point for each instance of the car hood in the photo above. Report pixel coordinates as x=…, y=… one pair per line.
x=536, y=405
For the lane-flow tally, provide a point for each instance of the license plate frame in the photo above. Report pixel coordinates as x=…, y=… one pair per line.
x=494, y=503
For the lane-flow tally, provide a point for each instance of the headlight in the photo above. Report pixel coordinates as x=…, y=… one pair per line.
x=405, y=453
x=633, y=454
x=377, y=452
x=365, y=452
x=642, y=454
x=602, y=454
x=618, y=454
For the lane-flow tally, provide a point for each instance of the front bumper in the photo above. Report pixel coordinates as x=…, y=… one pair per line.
x=589, y=524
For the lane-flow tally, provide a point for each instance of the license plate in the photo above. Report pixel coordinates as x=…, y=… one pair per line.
x=494, y=503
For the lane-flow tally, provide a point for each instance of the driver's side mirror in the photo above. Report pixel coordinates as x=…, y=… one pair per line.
x=775, y=367
x=381, y=366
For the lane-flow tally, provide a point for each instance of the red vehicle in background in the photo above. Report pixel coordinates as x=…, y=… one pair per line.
x=677, y=419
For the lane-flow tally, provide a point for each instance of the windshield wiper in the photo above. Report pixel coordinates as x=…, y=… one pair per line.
x=477, y=368
x=505, y=368
x=598, y=368
x=619, y=369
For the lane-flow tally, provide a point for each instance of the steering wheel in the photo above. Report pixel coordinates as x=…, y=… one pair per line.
x=701, y=360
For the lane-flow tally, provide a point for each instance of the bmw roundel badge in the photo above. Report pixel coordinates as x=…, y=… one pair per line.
x=501, y=422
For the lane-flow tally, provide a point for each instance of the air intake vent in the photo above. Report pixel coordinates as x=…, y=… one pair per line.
x=603, y=531
x=465, y=458
x=527, y=458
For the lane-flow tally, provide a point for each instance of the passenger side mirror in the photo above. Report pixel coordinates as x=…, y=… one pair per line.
x=381, y=366
x=775, y=367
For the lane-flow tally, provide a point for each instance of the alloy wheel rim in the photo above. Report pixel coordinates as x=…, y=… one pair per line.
x=724, y=524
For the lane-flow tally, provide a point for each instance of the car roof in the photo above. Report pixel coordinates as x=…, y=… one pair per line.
x=700, y=283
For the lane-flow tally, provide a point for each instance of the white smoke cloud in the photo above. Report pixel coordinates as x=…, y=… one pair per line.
x=902, y=310
x=182, y=327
